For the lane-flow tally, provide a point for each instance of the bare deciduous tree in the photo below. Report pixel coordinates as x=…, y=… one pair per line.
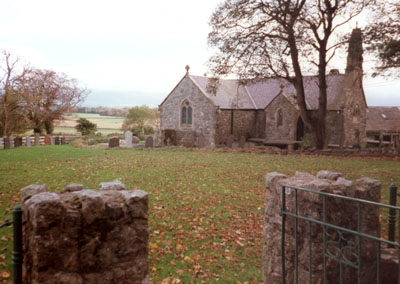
x=13, y=71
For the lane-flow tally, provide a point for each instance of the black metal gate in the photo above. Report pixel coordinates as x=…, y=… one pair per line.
x=17, y=256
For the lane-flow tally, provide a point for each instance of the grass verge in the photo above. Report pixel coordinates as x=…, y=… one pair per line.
x=206, y=207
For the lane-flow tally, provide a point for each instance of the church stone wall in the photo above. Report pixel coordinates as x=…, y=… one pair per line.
x=203, y=117
x=334, y=127
x=286, y=131
x=260, y=124
x=244, y=124
x=355, y=110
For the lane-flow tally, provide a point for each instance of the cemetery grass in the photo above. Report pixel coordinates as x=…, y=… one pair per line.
x=205, y=207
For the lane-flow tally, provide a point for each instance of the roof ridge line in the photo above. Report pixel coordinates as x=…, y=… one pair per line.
x=251, y=98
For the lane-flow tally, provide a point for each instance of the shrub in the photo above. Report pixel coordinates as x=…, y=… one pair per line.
x=138, y=131
x=148, y=130
x=78, y=143
x=85, y=127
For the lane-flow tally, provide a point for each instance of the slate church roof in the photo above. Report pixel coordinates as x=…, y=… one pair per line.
x=383, y=118
x=259, y=94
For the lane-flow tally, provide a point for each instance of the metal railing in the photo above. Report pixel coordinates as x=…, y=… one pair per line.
x=355, y=261
x=17, y=254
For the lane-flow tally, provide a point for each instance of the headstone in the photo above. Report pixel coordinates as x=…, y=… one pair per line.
x=52, y=140
x=57, y=140
x=37, y=139
x=47, y=140
x=7, y=142
x=201, y=141
x=242, y=142
x=149, y=142
x=229, y=141
x=128, y=139
x=135, y=140
x=63, y=142
x=157, y=141
x=28, y=141
x=17, y=142
x=113, y=142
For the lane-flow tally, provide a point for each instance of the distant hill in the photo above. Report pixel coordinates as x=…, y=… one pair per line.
x=120, y=99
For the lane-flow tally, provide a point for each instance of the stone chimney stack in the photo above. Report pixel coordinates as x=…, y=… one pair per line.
x=355, y=51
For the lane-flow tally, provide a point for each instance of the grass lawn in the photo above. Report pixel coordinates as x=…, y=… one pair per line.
x=206, y=207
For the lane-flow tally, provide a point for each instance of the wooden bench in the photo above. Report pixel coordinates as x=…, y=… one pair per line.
x=283, y=144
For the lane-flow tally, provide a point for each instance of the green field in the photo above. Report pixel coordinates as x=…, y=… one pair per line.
x=206, y=207
x=72, y=131
x=105, y=124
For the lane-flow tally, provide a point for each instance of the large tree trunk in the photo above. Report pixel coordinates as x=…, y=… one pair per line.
x=315, y=123
x=49, y=127
x=321, y=137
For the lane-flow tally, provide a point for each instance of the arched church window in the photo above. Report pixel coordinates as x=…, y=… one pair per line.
x=279, y=117
x=186, y=114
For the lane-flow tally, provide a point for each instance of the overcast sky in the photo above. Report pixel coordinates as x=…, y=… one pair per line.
x=136, y=48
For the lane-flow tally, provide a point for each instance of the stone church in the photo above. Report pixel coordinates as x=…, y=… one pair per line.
x=265, y=109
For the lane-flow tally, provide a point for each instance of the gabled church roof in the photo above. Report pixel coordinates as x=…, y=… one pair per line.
x=383, y=119
x=229, y=94
x=259, y=94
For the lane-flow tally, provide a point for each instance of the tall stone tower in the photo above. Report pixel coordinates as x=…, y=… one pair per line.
x=355, y=105
x=355, y=51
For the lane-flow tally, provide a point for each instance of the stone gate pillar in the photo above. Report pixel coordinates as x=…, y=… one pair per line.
x=85, y=236
x=339, y=212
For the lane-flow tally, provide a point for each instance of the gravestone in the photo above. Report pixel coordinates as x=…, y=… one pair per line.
x=7, y=142
x=149, y=142
x=229, y=141
x=17, y=142
x=128, y=139
x=28, y=141
x=201, y=141
x=113, y=142
x=37, y=139
x=157, y=141
x=57, y=140
x=242, y=142
x=47, y=140
x=135, y=140
x=63, y=140
x=52, y=140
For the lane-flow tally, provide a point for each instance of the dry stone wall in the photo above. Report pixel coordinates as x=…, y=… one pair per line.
x=85, y=236
x=338, y=212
